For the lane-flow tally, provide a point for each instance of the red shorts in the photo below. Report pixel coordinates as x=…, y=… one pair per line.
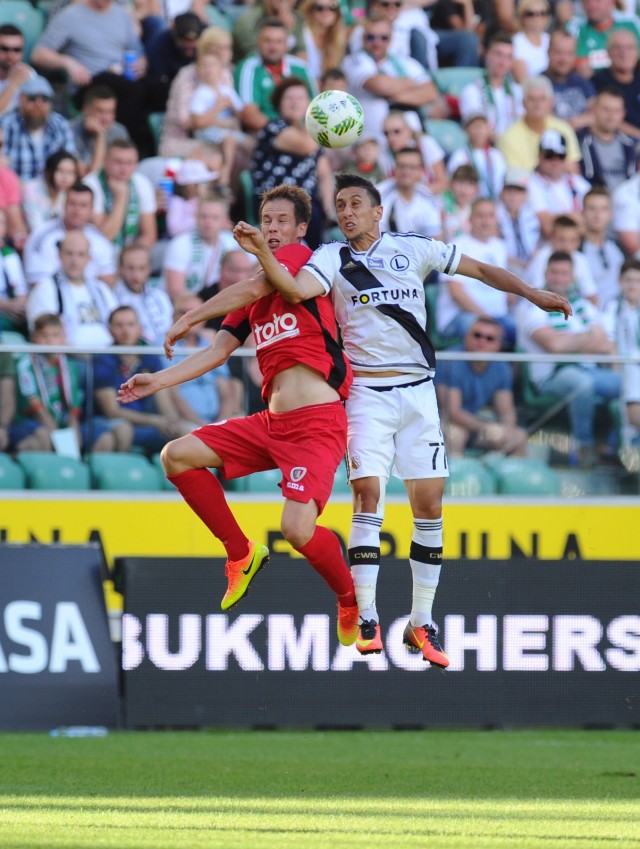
x=306, y=444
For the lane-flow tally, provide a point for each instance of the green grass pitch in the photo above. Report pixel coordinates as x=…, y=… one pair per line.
x=322, y=790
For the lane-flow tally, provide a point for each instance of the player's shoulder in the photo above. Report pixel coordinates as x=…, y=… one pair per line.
x=408, y=238
x=294, y=250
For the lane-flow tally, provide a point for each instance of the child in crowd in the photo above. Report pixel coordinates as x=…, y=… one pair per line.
x=518, y=224
x=366, y=160
x=566, y=236
x=456, y=202
x=192, y=182
x=214, y=109
x=479, y=152
x=50, y=397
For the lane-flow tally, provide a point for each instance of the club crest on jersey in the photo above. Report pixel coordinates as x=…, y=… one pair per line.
x=375, y=262
x=399, y=262
x=298, y=472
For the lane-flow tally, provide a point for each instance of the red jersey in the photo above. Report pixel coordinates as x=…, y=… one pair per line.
x=292, y=334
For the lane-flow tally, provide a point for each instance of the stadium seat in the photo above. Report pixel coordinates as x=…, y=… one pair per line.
x=523, y=476
x=155, y=120
x=449, y=135
x=396, y=487
x=29, y=20
x=165, y=483
x=266, y=482
x=453, y=80
x=440, y=343
x=47, y=470
x=218, y=18
x=127, y=472
x=341, y=485
x=12, y=475
x=247, y=196
x=469, y=478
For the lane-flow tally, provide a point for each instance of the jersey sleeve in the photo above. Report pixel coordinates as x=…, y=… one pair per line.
x=323, y=265
x=433, y=254
x=237, y=324
x=293, y=257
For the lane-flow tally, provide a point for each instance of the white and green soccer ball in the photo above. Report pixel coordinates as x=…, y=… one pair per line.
x=335, y=119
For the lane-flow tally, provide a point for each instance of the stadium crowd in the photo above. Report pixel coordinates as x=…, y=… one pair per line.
x=134, y=135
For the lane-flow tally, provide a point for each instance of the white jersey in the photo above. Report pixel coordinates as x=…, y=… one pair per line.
x=378, y=297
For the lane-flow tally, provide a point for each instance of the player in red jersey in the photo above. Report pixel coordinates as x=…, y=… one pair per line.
x=303, y=432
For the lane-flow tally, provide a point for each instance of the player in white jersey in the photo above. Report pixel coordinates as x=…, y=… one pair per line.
x=376, y=282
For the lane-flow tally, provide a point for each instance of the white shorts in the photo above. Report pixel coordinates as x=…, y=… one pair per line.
x=631, y=383
x=396, y=431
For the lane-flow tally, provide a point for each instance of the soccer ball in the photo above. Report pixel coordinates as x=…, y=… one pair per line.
x=334, y=119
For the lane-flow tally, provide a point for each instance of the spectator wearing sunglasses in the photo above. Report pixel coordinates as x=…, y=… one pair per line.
x=325, y=35
x=380, y=79
x=531, y=44
x=476, y=397
x=33, y=131
x=411, y=33
x=520, y=143
x=13, y=70
x=553, y=189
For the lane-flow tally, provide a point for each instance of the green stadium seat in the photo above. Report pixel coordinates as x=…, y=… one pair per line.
x=12, y=475
x=155, y=121
x=218, y=18
x=440, y=343
x=453, y=80
x=523, y=476
x=165, y=483
x=29, y=20
x=126, y=472
x=341, y=485
x=396, y=487
x=247, y=196
x=449, y=134
x=469, y=478
x=266, y=482
x=47, y=470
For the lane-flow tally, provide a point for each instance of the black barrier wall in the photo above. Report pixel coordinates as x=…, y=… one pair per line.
x=57, y=661
x=530, y=642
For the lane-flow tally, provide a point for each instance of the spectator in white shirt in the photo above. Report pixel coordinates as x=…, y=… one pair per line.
x=133, y=289
x=626, y=215
x=83, y=303
x=192, y=261
x=124, y=201
x=604, y=257
x=380, y=79
x=462, y=299
x=553, y=189
x=41, y=257
x=496, y=94
x=408, y=204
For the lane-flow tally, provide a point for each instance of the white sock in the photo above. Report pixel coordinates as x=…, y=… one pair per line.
x=364, y=559
x=426, y=562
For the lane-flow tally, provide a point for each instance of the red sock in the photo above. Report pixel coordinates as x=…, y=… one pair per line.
x=203, y=493
x=325, y=555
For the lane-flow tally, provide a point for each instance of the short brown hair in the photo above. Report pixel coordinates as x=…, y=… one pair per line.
x=298, y=197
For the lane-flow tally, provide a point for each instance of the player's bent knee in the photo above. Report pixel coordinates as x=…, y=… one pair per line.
x=297, y=534
x=187, y=452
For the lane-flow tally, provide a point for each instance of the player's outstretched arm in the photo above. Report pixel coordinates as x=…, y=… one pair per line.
x=232, y=298
x=506, y=281
x=293, y=289
x=142, y=385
